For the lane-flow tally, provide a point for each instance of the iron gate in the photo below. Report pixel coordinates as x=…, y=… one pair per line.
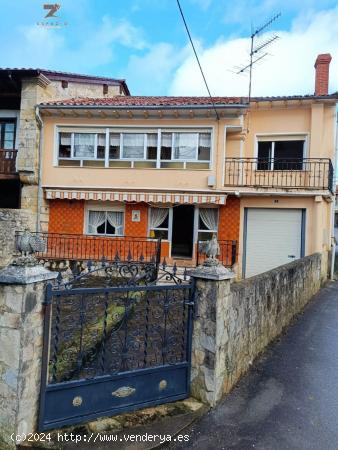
x=116, y=338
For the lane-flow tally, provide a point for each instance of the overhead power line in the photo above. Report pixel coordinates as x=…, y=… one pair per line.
x=197, y=59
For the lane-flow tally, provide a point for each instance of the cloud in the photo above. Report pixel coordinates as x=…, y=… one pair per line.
x=151, y=73
x=203, y=4
x=36, y=46
x=288, y=71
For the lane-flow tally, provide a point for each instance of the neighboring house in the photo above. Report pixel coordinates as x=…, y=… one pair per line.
x=260, y=175
x=336, y=220
x=20, y=91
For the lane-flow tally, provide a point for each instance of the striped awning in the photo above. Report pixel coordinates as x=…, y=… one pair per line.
x=148, y=197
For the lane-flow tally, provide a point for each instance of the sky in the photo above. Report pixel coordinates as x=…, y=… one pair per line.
x=144, y=42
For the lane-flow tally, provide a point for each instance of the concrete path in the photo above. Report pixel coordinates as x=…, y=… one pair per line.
x=289, y=400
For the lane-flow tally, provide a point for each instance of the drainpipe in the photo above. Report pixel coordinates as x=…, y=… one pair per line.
x=40, y=126
x=333, y=204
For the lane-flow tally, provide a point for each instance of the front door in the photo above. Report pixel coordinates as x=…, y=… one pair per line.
x=182, y=231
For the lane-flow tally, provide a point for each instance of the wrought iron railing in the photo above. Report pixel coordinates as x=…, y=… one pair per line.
x=54, y=246
x=7, y=161
x=306, y=173
x=227, y=256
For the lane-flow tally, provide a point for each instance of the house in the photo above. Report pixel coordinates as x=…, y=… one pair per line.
x=20, y=91
x=259, y=175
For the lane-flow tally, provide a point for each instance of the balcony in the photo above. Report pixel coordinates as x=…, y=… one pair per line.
x=302, y=174
x=7, y=163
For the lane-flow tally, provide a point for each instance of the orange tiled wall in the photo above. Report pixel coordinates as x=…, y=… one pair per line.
x=229, y=220
x=66, y=216
x=136, y=229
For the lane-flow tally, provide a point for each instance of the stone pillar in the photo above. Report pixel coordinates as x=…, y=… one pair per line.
x=22, y=292
x=209, y=362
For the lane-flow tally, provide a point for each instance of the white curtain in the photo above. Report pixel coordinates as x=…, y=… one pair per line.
x=96, y=218
x=65, y=138
x=185, y=145
x=115, y=219
x=152, y=140
x=205, y=140
x=133, y=145
x=166, y=139
x=157, y=216
x=209, y=217
x=84, y=145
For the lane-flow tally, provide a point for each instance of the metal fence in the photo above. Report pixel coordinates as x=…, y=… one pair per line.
x=227, y=256
x=306, y=173
x=56, y=246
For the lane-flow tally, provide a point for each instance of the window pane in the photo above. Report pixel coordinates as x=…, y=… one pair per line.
x=101, y=145
x=9, y=144
x=84, y=145
x=288, y=155
x=133, y=145
x=64, y=145
x=264, y=155
x=157, y=234
x=114, y=146
x=151, y=146
x=9, y=127
x=185, y=145
x=166, y=140
x=207, y=236
x=204, y=146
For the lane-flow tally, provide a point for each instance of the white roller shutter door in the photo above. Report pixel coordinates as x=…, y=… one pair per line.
x=273, y=238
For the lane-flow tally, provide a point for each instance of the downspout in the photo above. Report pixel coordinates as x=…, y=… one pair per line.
x=333, y=204
x=40, y=193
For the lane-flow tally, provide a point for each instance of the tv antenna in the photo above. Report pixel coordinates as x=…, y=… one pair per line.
x=258, y=51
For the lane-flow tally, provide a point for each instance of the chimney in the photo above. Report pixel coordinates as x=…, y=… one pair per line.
x=322, y=65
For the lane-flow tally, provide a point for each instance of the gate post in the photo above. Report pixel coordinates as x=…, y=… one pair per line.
x=22, y=292
x=208, y=359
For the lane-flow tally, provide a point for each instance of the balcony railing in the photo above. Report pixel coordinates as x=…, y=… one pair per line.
x=7, y=161
x=306, y=173
x=53, y=246
x=227, y=256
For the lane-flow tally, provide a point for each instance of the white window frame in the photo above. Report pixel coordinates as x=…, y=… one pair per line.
x=94, y=207
x=197, y=218
x=265, y=137
x=170, y=223
x=96, y=130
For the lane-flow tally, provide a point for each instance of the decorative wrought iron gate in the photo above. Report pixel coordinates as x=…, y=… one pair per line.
x=116, y=338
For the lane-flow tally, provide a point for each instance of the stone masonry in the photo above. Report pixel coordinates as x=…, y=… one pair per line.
x=21, y=339
x=234, y=322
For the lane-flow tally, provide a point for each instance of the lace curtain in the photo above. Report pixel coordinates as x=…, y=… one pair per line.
x=157, y=216
x=185, y=145
x=133, y=145
x=209, y=217
x=115, y=219
x=96, y=218
x=84, y=145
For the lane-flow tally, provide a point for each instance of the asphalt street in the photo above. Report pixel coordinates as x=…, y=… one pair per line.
x=289, y=399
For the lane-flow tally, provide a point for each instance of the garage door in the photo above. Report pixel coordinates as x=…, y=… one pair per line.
x=272, y=237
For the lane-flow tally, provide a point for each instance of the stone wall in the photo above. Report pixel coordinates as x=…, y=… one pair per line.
x=236, y=321
x=21, y=342
x=12, y=220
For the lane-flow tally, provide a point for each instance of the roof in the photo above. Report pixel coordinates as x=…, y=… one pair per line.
x=173, y=102
x=146, y=101
x=69, y=76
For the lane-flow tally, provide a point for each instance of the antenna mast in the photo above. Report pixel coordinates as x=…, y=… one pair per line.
x=259, y=48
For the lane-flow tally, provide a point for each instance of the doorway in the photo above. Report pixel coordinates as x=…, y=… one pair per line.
x=182, y=231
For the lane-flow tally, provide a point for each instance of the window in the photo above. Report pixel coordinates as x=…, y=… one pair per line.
x=7, y=134
x=105, y=222
x=133, y=146
x=207, y=223
x=280, y=155
x=109, y=148
x=159, y=223
x=336, y=220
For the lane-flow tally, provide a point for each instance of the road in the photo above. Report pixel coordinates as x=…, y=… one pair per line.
x=289, y=399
